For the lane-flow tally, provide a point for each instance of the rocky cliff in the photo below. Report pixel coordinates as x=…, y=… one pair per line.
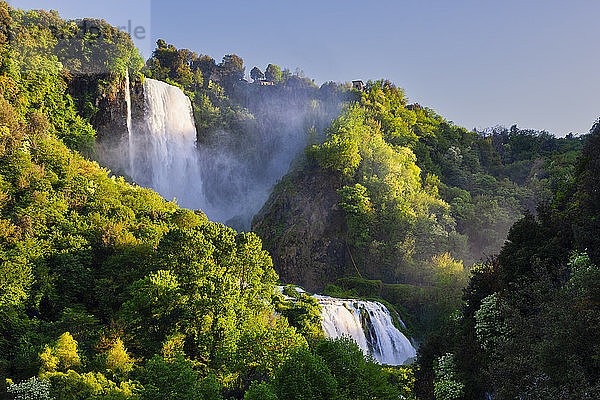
x=102, y=98
x=304, y=229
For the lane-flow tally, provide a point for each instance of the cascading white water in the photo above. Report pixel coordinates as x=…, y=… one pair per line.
x=369, y=324
x=128, y=103
x=162, y=150
x=230, y=175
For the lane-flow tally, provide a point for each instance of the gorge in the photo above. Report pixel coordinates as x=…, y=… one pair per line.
x=465, y=262
x=164, y=156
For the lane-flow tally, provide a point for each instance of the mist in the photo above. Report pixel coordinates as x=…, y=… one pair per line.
x=228, y=174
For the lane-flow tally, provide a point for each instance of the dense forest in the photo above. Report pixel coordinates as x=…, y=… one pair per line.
x=399, y=202
x=109, y=291
x=485, y=242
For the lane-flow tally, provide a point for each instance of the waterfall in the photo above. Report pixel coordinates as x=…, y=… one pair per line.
x=162, y=150
x=230, y=174
x=368, y=323
x=128, y=103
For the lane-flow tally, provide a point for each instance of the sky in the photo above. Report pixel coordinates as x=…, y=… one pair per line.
x=534, y=63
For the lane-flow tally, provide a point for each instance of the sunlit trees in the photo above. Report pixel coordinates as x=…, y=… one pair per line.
x=231, y=69
x=117, y=358
x=62, y=356
x=273, y=73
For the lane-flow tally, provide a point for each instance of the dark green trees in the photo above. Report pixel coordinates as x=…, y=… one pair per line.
x=332, y=369
x=256, y=74
x=531, y=317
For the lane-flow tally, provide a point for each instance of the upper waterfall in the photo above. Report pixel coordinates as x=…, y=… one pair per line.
x=162, y=150
x=230, y=173
x=128, y=104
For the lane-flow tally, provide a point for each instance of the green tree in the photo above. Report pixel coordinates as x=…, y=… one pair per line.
x=72, y=385
x=174, y=379
x=358, y=377
x=260, y=391
x=446, y=385
x=117, y=358
x=256, y=74
x=64, y=355
x=231, y=68
x=273, y=73
x=304, y=376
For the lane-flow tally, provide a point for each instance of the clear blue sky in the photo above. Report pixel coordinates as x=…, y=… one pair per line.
x=478, y=63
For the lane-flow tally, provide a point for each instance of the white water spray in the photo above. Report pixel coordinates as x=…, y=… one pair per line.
x=162, y=150
x=230, y=174
x=128, y=103
x=370, y=325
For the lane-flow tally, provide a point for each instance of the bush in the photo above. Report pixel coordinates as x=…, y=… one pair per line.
x=304, y=376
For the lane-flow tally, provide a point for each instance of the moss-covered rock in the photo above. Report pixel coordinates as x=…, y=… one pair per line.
x=303, y=228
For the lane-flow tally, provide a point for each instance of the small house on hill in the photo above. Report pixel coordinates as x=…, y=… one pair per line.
x=358, y=85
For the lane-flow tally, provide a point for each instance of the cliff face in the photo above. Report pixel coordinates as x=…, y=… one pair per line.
x=137, y=99
x=303, y=229
x=102, y=98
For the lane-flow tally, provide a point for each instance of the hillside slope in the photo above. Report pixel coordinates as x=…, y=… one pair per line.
x=397, y=193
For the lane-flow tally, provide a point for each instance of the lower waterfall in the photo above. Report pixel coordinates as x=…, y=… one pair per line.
x=368, y=323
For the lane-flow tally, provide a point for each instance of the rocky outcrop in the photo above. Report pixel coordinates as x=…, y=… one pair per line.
x=137, y=99
x=102, y=98
x=304, y=229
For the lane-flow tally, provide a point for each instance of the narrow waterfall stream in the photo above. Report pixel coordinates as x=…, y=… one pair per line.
x=128, y=103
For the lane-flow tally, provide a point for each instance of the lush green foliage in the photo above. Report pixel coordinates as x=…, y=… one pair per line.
x=531, y=318
x=302, y=311
x=103, y=282
x=109, y=292
x=424, y=198
x=333, y=369
x=81, y=249
x=42, y=54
